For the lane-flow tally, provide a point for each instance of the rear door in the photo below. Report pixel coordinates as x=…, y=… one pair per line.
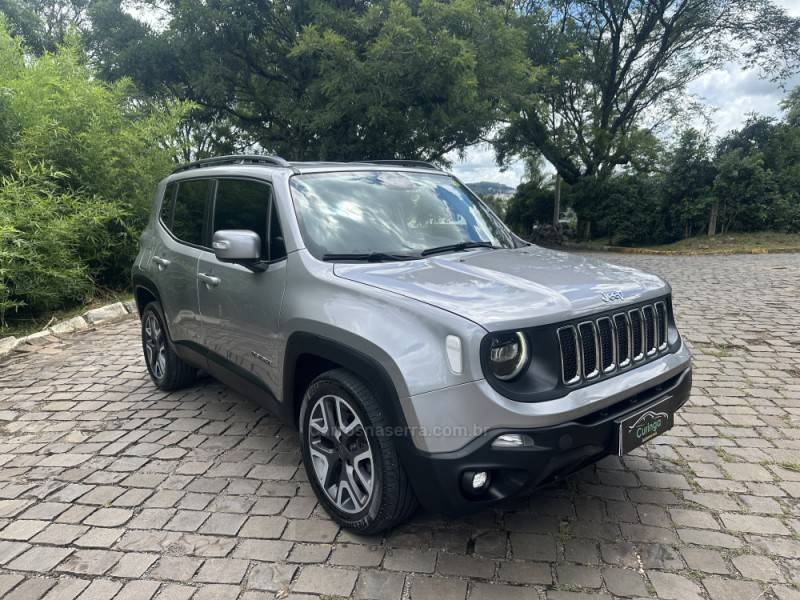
x=183, y=218
x=240, y=308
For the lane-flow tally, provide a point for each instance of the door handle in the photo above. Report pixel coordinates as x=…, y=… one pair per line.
x=209, y=280
x=162, y=263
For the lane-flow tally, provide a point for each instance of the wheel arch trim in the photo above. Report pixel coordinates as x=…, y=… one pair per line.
x=141, y=282
x=370, y=370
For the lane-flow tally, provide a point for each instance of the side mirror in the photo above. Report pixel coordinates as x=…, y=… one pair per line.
x=237, y=246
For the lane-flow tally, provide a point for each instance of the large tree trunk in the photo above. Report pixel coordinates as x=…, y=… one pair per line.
x=586, y=232
x=557, y=201
x=712, y=222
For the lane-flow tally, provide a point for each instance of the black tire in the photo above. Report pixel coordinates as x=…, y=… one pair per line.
x=172, y=373
x=392, y=501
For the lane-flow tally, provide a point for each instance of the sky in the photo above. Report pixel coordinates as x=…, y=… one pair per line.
x=731, y=92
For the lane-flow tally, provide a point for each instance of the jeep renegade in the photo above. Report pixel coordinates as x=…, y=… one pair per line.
x=423, y=351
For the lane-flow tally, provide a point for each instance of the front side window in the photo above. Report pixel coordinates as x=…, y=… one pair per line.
x=190, y=210
x=242, y=204
x=390, y=212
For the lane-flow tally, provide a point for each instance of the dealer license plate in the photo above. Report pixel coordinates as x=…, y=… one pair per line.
x=642, y=426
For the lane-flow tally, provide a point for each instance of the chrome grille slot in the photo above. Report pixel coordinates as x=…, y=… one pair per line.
x=623, y=340
x=661, y=313
x=637, y=332
x=608, y=345
x=589, y=350
x=602, y=345
x=650, y=329
x=570, y=358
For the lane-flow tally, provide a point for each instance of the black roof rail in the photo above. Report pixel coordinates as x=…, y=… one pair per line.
x=234, y=159
x=404, y=163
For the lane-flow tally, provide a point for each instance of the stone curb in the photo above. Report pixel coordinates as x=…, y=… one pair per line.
x=96, y=317
x=720, y=251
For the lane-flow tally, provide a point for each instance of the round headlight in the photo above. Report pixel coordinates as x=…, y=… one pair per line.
x=508, y=355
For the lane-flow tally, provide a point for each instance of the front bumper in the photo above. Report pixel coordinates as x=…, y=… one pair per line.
x=448, y=419
x=559, y=450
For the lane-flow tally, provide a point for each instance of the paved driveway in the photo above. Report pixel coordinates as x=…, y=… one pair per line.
x=111, y=489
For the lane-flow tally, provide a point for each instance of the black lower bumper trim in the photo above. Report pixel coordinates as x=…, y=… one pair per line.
x=558, y=451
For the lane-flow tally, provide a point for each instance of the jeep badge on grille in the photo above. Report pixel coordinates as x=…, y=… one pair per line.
x=613, y=296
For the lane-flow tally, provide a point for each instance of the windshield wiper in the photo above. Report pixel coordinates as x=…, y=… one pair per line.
x=369, y=257
x=456, y=247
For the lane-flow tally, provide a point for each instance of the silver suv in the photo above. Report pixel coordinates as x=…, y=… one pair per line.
x=424, y=353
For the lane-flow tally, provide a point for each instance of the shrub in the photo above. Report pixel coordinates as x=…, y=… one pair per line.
x=80, y=159
x=45, y=237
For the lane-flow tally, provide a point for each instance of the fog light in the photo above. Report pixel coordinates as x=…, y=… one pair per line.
x=479, y=480
x=475, y=483
x=512, y=440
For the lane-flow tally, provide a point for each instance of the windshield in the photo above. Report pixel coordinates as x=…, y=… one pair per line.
x=390, y=213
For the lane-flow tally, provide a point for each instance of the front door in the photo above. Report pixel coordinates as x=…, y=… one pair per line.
x=240, y=308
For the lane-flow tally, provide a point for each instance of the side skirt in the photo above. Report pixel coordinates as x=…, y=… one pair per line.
x=231, y=375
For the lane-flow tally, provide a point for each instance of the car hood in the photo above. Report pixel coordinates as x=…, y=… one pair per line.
x=506, y=289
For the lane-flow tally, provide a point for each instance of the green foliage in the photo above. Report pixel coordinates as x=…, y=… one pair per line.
x=687, y=186
x=107, y=141
x=80, y=159
x=52, y=242
x=531, y=203
x=746, y=191
x=631, y=211
x=44, y=24
x=326, y=80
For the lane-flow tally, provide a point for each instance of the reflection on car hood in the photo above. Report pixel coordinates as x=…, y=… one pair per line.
x=504, y=289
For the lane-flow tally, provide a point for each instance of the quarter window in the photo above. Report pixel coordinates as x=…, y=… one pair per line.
x=190, y=211
x=167, y=203
x=242, y=204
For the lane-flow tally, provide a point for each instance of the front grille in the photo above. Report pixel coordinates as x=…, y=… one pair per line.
x=603, y=345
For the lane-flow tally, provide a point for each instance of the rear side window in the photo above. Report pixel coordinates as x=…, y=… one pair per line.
x=167, y=204
x=242, y=204
x=190, y=211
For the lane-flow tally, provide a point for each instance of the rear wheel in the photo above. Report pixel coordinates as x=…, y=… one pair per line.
x=355, y=473
x=166, y=369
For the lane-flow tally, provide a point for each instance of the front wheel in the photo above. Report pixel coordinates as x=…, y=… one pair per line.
x=355, y=473
x=166, y=368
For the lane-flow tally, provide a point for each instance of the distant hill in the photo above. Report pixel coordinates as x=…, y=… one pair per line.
x=490, y=188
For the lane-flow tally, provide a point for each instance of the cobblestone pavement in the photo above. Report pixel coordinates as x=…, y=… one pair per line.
x=111, y=489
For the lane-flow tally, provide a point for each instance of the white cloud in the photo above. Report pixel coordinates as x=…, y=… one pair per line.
x=734, y=93
x=479, y=165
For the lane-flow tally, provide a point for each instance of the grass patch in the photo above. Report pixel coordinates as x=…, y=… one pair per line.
x=23, y=325
x=729, y=243
x=718, y=350
x=790, y=466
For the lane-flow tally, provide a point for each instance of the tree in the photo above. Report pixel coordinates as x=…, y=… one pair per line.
x=45, y=24
x=687, y=184
x=327, y=80
x=744, y=191
x=608, y=68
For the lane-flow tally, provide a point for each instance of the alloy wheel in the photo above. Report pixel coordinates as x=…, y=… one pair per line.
x=155, y=346
x=341, y=453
